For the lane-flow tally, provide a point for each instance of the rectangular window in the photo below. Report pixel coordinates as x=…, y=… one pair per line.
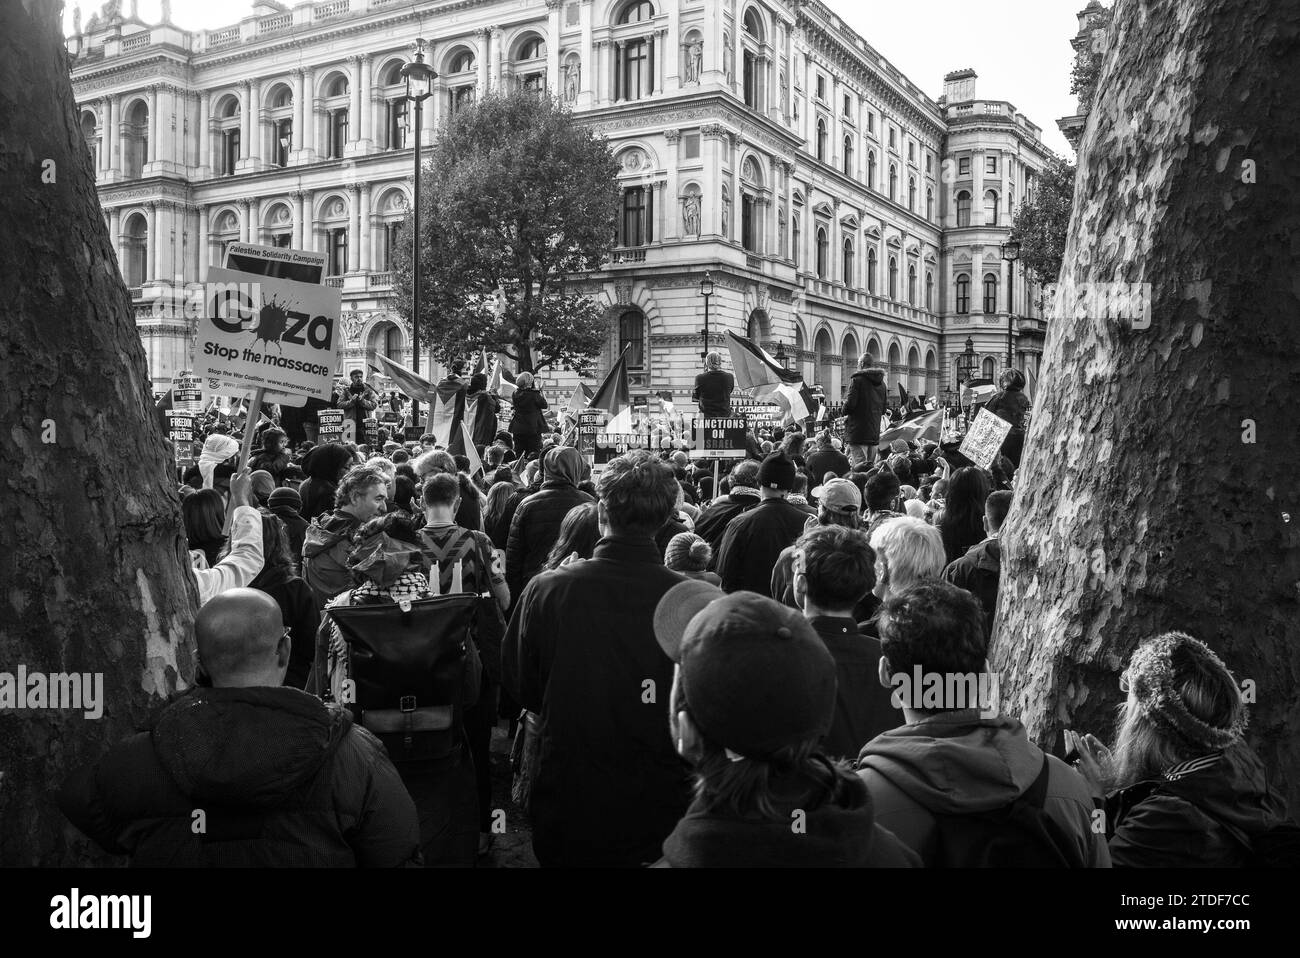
x=691, y=146
x=848, y=105
x=634, y=75
x=396, y=125
x=283, y=141
x=911, y=151
x=634, y=223
x=963, y=166
x=929, y=163
x=821, y=87
x=631, y=333
x=893, y=139
x=282, y=239
x=229, y=152
x=338, y=250
x=991, y=163
x=338, y=124
x=390, y=244
x=750, y=80
x=871, y=122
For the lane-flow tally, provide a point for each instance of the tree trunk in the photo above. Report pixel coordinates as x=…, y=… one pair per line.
x=1159, y=486
x=93, y=563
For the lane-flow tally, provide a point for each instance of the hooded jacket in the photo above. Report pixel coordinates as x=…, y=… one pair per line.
x=957, y=763
x=535, y=527
x=282, y=780
x=840, y=833
x=977, y=572
x=325, y=551
x=864, y=405
x=1204, y=813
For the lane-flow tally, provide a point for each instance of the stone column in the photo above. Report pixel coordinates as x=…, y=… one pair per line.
x=712, y=66
x=672, y=201
x=737, y=50
x=301, y=224
x=204, y=245
x=736, y=145
x=115, y=233
x=590, y=61
x=245, y=120
x=151, y=152
x=102, y=164
x=977, y=200
x=112, y=109
x=672, y=48
x=355, y=99
x=354, y=228
x=711, y=180
x=1004, y=167
x=366, y=132
x=300, y=110
x=254, y=149
x=483, y=51
x=496, y=55
x=367, y=230
x=152, y=257
x=554, y=82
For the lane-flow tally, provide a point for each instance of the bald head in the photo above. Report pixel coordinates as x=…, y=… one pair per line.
x=241, y=641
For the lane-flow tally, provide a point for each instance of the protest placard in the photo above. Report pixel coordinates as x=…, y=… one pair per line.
x=371, y=431
x=267, y=333
x=181, y=426
x=279, y=262
x=984, y=439
x=720, y=438
x=589, y=424
x=330, y=423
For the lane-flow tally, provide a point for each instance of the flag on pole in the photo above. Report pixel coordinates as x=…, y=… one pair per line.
x=481, y=362
x=765, y=378
x=582, y=394
x=502, y=382
x=902, y=396
x=613, y=396
x=413, y=384
x=1031, y=381
x=916, y=427
x=471, y=452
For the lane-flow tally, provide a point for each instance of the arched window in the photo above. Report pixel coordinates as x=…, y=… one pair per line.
x=929, y=290
x=893, y=181
x=871, y=169
x=336, y=116
x=631, y=332
x=911, y=193
x=848, y=156
x=794, y=227
x=963, y=208
x=929, y=204
x=990, y=207
x=893, y=277
x=137, y=250
x=821, y=139
x=989, y=367
x=871, y=269
x=88, y=125
x=462, y=62
x=753, y=26
x=748, y=225
x=911, y=283
x=846, y=268
x=990, y=292
x=135, y=145
x=534, y=48
x=822, y=250
x=963, y=293
x=638, y=11
x=338, y=86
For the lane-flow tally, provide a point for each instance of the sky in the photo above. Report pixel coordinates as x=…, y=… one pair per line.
x=1020, y=48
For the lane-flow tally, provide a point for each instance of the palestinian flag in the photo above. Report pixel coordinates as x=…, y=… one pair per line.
x=613, y=397
x=413, y=384
x=764, y=378
x=922, y=424
x=579, y=401
x=502, y=382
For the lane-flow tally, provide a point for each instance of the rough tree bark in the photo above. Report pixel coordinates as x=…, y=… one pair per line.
x=1143, y=506
x=92, y=556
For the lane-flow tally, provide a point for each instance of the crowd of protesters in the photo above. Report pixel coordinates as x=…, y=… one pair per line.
x=694, y=676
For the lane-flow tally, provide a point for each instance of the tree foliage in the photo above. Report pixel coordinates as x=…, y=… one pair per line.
x=518, y=199
x=1040, y=226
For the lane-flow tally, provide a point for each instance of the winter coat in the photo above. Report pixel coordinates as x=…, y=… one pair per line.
x=864, y=406
x=956, y=762
x=535, y=528
x=484, y=427
x=358, y=407
x=839, y=833
x=713, y=392
x=302, y=619
x=275, y=464
x=1202, y=813
x=822, y=461
x=753, y=542
x=862, y=705
x=1010, y=405
x=580, y=650
x=325, y=555
x=977, y=572
x=717, y=515
x=317, y=497
x=528, y=419
x=282, y=779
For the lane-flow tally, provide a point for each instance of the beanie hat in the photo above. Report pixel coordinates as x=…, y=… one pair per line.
x=898, y=446
x=262, y=483
x=756, y=677
x=777, y=472
x=687, y=552
x=1152, y=678
x=285, y=496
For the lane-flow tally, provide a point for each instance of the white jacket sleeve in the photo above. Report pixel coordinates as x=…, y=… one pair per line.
x=244, y=561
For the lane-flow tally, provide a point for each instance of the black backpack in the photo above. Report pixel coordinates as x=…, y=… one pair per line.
x=1018, y=835
x=408, y=663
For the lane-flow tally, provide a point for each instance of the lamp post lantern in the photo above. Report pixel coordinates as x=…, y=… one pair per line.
x=419, y=87
x=706, y=290
x=965, y=368
x=1011, y=253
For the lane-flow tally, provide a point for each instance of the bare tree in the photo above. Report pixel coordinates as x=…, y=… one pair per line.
x=93, y=565
x=1159, y=488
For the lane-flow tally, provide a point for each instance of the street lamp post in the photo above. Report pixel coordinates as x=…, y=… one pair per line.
x=706, y=290
x=965, y=371
x=1011, y=253
x=419, y=87
x=780, y=356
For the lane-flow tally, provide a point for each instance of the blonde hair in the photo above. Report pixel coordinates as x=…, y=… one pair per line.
x=910, y=550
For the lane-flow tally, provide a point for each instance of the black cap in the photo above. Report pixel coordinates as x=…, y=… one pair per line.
x=777, y=472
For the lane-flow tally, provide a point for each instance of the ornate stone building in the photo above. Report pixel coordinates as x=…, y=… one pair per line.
x=838, y=209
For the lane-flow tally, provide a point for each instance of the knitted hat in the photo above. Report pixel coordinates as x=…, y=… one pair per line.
x=263, y=483
x=687, y=552
x=777, y=472
x=898, y=446
x=1153, y=677
x=284, y=496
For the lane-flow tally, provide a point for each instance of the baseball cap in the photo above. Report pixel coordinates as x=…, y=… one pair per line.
x=756, y=676
x=777, y=472
x=839, y=495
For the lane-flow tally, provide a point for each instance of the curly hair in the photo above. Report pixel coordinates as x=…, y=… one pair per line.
x=356, y=482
